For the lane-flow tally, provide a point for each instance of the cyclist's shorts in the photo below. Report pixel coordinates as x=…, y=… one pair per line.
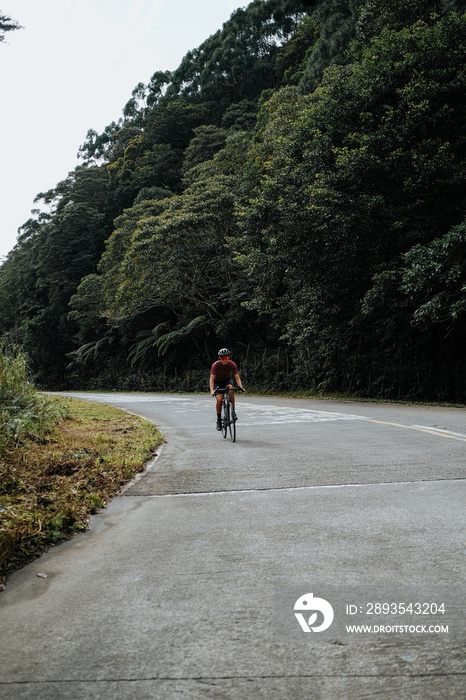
x=222, y=384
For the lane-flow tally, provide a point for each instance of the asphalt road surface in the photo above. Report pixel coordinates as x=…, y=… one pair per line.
x=194, y=583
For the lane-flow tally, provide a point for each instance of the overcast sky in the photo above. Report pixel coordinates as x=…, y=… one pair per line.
x=73, y=68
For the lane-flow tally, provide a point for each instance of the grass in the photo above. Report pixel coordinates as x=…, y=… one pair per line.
x=50, y=485
x=23, y=410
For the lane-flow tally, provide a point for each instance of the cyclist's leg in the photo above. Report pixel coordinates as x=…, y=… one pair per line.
x=218, y=406
x=232, y=398
x=231, y=394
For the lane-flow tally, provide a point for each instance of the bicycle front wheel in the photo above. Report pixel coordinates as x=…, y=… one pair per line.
x=226, y=418
x=233, y=429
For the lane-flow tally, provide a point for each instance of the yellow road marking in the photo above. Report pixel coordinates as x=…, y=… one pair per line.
x=431, y=431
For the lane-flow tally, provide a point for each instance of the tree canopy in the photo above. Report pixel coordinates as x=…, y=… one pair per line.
x=294, y=189
x=7, y=25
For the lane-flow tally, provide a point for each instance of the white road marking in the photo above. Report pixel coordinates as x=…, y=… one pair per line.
x=273, y=415
x=439, y=430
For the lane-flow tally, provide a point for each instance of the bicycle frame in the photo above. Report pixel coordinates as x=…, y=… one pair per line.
x=227, y=419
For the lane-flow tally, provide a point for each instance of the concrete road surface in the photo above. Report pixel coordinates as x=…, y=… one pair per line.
x=237, y=570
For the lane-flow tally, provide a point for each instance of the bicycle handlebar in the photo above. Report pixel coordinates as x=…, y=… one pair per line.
x=223, y=391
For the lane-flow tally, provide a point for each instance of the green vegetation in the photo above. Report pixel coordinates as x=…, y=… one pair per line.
x=51, y=485
x=60, y=461
x=294, y=189
x=24, y=413
x=7, y=25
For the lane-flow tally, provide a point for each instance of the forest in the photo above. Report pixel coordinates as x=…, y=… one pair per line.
x=294, y=190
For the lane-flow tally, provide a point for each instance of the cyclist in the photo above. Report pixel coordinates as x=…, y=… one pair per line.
x=221, y=378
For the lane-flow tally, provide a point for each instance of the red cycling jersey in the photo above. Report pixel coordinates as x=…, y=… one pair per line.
x=222, y=372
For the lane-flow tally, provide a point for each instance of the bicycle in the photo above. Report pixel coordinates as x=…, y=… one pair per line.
x=228, y=417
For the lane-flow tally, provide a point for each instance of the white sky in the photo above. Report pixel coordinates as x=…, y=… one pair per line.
x=73, y=68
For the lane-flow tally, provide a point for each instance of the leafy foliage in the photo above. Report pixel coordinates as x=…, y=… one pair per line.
x=23, y=411
x=355, y=174
x=7, y=25
x=50, y=487
x=294, y=189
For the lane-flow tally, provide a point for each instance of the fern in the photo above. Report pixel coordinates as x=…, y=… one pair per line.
x=165, y=342
x=139, y=351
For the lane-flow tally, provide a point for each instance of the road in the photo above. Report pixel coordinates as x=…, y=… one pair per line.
x=185, y=586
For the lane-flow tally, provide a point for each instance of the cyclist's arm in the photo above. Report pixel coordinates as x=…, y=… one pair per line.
x=212, y=379
x=238, y=381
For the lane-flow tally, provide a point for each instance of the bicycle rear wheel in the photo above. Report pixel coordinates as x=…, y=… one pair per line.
x=226, y=418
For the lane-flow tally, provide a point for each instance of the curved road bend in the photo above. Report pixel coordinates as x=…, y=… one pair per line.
x=185, y=585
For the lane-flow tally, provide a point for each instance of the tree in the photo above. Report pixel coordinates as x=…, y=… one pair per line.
x=238, y=62
x=7, y=25
x=54, y=252
x=344, y=26
x=298, y=182
x=170, y=263
x=346, y=180
x=434, y=281
x=174, y=259
x=290, y=60
x=423, y=305
x=207, y=141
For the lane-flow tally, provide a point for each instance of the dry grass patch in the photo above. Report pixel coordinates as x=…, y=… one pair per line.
x=50, y=486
